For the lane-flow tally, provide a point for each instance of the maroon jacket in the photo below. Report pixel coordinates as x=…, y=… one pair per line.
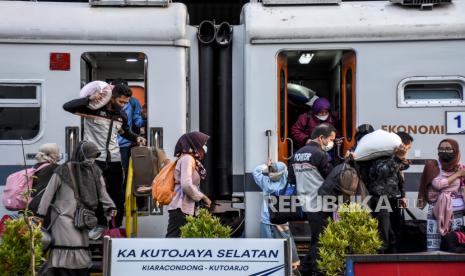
x=303, y=127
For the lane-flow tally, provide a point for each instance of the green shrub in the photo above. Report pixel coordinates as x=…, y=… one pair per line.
x=204, y=225
x=15, y=248
x=355, y=233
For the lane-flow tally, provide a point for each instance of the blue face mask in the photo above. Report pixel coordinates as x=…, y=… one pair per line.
x=204, y=147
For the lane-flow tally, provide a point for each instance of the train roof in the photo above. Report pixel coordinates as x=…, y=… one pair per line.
x=39, y=22
x=352, y=21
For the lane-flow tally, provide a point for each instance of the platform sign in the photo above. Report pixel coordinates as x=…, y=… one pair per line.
x=455, y=122
x=191, y=257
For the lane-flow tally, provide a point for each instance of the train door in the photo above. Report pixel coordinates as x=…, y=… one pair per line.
x=348, y=115
x=303, y=77
x=282, y=110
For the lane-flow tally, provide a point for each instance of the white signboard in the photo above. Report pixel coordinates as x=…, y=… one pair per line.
x=131, y=257
x=455, y=122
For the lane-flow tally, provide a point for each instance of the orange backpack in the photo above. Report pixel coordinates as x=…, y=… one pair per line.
x=163, y=184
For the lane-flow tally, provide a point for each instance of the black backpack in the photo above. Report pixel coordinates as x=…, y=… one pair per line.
x=344, y=180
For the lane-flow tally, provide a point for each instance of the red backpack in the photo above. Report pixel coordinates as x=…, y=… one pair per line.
x=16, y=185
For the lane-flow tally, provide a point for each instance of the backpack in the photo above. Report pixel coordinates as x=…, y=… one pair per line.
x=16, y=185
x=163, y=185
x=146, y=163
x=344, y=180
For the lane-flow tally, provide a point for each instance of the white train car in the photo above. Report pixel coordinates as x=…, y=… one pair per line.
x=49, y=50
x=397, y=68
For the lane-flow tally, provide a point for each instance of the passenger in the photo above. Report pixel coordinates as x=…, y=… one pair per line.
x=362, y=130
x=190, y=149
x=48, y=154
x=308, y=169
x=441, y=187
x=270, y=182
x=70, y=253
x=385, y=184
x=135, y=123
x=102, y=127
x=306, y=123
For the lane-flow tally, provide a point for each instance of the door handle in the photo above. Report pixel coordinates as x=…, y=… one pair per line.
x=292, y=148
x=71, y=141
x=156, y=137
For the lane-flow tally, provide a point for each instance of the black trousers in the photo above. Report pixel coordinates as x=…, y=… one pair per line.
x=317, y=221
x=176, y=219
x=388, y=223
x=113, y=175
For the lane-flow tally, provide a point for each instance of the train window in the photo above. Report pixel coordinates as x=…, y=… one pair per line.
x=19, y=110
x=431, y=91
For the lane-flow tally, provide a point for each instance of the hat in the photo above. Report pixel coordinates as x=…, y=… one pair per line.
x=320, y=104
x=97, y=87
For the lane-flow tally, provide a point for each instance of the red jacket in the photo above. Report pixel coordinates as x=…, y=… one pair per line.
x=303, y=127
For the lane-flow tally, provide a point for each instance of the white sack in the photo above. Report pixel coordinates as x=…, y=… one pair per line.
x=94, y=87
x=376, y=144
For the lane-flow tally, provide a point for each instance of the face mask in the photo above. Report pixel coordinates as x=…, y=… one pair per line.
x=204, y=147
x=322, y=118
x=446, y=156
x=329, y=146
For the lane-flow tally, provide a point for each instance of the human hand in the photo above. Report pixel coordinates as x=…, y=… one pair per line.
x=141, y=141
x=97, y=96
x=113, y=212
x=207, y=201
x=403, y=203
x=461, y=172
x=400, y=151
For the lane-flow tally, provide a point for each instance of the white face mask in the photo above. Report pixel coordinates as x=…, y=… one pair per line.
x=205, y=149
x=322, y=118
x=329, y=146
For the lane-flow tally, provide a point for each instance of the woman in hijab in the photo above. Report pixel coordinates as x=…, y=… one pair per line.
x=441, y=187
x=70, y=252
x=47, y=159
x=303, y=127
x=190, y=149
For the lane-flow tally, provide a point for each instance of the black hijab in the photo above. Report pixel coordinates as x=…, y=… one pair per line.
x=192, y=143
x=85, y=172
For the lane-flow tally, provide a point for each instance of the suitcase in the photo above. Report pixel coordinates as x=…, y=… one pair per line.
x=146, y=163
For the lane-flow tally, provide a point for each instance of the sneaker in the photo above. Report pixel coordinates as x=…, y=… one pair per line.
x=96, y=232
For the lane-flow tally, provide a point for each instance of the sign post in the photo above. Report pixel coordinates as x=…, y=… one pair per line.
x=172, y=257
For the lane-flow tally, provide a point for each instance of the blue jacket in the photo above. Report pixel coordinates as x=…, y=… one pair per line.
x=133, y=112
x=268, y=187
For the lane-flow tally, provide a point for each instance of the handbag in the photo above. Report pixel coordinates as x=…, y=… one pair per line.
x=412, y=233
x=114, y=232
x=84, y=218
x=287, y=197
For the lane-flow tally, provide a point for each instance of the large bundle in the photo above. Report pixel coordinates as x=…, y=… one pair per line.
x=300, y=94
x=376, y=144
x=97, y=87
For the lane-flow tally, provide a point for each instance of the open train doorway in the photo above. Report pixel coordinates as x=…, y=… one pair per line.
x=303, y=77
x=128, y=66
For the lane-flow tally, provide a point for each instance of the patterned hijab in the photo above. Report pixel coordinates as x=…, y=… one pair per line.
x=192, y=143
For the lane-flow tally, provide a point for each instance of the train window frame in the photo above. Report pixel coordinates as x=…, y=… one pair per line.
x=36, y=102
x=431, y=80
